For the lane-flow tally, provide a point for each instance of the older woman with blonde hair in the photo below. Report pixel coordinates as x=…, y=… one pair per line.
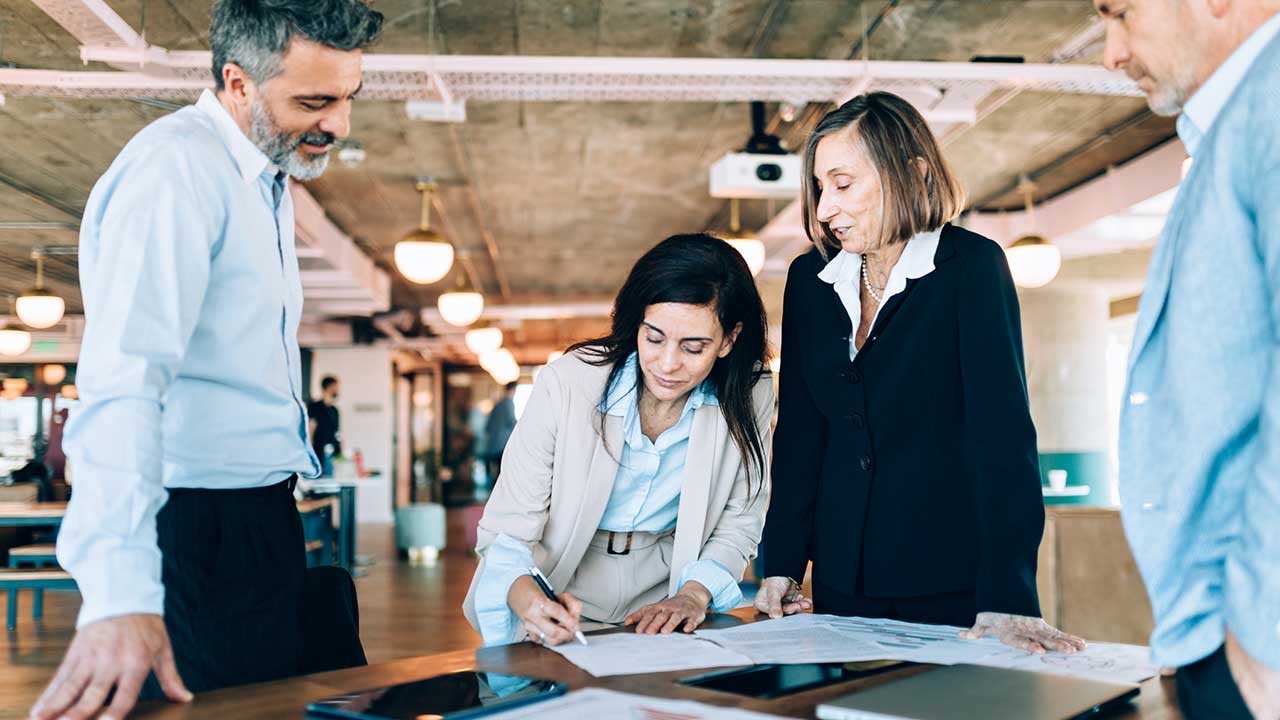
x=905, y=462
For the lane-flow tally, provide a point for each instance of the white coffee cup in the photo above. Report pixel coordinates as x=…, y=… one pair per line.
x=1058, y=480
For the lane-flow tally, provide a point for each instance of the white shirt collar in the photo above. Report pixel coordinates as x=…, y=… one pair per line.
x=844, y=274
x=916, y=262
x=1203, y=108
x=251, y=161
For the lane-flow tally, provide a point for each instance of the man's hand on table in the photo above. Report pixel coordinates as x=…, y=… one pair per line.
x=117, y=652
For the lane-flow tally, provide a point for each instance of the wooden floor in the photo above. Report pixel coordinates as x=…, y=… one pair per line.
x=405, y=611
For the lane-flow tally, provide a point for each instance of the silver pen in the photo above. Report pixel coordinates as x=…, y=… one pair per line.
x=545, y=585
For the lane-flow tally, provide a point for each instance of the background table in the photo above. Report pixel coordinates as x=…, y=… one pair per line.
x=288, y=698
x=31, y=514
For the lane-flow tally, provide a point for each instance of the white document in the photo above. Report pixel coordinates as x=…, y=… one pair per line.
x=1108, y=662
x=793, y=643
x=632, y=654
x=599, y=704
x=810, y=638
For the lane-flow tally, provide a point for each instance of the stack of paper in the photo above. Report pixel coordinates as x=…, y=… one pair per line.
x=809, y=638
x=632, y=654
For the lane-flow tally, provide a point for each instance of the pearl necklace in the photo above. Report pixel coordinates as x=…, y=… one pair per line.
x=866, y=280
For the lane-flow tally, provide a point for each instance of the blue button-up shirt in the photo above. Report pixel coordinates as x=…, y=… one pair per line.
x=189, y=373
x=1200, y=431
x=645, y=497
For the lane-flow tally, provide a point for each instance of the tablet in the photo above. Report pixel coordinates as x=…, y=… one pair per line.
x=775, y=681
x=456, y=696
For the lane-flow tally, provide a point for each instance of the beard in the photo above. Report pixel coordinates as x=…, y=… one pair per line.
x=282, y=149
x=1168, y=95
x=1166, y=100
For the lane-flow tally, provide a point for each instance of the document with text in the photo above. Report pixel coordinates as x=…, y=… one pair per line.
x=597, y=703
x=808, y=638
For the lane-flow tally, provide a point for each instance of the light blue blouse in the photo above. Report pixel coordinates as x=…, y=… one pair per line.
x=645, y=497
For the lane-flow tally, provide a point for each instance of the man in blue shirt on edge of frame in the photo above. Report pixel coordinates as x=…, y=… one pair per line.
x=182, y=532
x=1200, y=429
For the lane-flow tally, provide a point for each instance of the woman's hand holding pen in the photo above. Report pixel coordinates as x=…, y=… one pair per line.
x=545, y=621
x=687, y=607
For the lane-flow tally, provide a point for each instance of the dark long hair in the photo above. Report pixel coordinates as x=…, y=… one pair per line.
x=697, y=270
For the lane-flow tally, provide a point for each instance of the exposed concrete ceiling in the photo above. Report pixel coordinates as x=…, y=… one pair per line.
x=570, y=194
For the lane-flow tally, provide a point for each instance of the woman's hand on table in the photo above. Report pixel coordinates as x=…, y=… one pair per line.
x=687, y=607
x=780, y=596
x=545, y=621
x=1025, y=633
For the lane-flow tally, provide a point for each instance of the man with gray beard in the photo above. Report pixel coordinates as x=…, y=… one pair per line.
x=1200, y=431
x=182, y=532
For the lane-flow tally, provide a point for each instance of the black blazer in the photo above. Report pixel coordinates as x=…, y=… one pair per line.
x=912, y=469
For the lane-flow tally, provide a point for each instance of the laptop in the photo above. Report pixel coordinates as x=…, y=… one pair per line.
x=976, y=692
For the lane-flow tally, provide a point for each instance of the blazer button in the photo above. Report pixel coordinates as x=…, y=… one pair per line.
x=856, y=418
x=865, y=462
x=852, y=375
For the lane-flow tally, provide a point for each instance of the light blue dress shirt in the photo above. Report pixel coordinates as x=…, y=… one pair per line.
x=645, y=497
x=1200, y=431
x=189, y=373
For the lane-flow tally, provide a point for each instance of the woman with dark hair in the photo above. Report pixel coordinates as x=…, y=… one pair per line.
x=637, y=478
x=905, y=452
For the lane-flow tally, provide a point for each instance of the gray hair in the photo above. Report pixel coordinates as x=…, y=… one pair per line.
x=255, y=34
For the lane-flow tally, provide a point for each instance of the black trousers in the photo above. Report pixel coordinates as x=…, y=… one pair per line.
x=1206, y=690
x=945, y=609
x=240, y=604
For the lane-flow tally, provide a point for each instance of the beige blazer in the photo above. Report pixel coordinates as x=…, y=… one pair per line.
x=557, y=476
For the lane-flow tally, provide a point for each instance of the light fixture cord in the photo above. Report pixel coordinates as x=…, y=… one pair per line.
x=1027, y=188
x=734, y=221
x=40, y=272
x=426, y=207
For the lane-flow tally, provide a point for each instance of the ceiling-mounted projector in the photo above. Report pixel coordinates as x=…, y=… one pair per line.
x=436, y=110
x=760, y=170
x=754, y=175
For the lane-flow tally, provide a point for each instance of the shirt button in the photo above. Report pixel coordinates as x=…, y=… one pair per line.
x=1138, y=398
x=865, y=462
x=1149, y=506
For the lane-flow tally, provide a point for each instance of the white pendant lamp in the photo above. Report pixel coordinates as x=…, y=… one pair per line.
x=54, y=374
x=501, y=365
x=424, y=256
x=14, y=342
x=1034, y=261
x=69, y=392
x=483, y=340
x=37, y=307
x=745, y=241
x=460, y=307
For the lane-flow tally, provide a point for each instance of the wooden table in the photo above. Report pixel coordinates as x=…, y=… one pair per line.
x=288, y=698
x=31, y=514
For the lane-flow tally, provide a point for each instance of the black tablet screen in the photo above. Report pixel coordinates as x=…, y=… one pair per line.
x=462, y=694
